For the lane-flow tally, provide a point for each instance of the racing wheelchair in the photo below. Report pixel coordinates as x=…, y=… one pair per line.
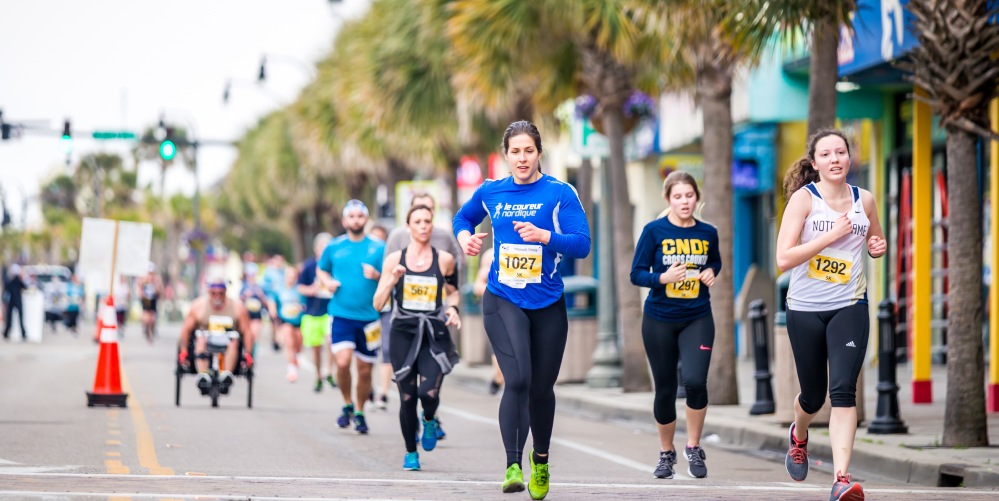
x=218, y=342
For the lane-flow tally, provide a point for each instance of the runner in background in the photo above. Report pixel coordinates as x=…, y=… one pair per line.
x=349, y=268
x=315, y=322
x=151, y=288
x=398, y=239
x=74, y=299
x=272, y=280
x=677, y=324
x=122, y=299
x=479, y=288
x=254, y=300
x=422, y=349
x=385, y=367
x=290, y=307
x=824, y=230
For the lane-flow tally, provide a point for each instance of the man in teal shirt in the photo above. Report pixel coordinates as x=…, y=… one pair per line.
x=349, y=268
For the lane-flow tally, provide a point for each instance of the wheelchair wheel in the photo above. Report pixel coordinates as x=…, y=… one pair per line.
x=249, y=389
x=180, y=376
x=214, y=392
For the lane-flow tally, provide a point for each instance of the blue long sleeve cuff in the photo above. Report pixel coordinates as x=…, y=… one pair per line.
x=576, y=245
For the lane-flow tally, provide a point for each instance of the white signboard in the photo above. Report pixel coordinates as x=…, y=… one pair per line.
x=97, y=250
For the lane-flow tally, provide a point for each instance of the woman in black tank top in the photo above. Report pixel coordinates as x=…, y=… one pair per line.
x=419, y=278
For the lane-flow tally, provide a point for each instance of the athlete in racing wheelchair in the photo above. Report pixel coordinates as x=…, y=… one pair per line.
x=216, y=330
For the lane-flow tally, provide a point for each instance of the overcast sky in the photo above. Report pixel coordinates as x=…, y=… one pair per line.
x=113, y=64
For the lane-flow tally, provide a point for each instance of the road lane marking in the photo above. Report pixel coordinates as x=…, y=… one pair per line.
x=112, y=497
x=113, y=442
x=773, y=487
x=143, y=437
x=112, y=454
x=614, y=458
x=114, y=432
x=115, y=468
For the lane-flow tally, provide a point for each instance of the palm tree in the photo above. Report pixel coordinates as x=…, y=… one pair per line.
x=821, y=20
x=553, y=51
x=955, y=64
x=707, y=41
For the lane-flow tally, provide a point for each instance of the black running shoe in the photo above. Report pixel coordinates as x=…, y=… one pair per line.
x=494, y=387
x=204, y=382
x=695, y=461
x=796, y=461
x=665, y=467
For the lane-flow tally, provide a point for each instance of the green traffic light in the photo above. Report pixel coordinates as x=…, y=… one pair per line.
x=67, y=144
x=168, y=150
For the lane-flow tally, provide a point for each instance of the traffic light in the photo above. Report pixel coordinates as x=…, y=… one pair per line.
x=67, y=138
x=168, y=150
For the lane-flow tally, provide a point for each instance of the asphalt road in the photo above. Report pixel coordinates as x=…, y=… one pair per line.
x=52, y=446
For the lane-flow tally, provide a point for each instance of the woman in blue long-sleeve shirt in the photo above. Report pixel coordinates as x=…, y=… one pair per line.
x=682, y=254
x=536, y=220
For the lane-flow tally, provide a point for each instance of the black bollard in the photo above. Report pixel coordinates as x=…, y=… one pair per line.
x=764, y=390
x=888, y=420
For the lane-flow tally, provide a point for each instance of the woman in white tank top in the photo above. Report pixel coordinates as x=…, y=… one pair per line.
x=825, y=227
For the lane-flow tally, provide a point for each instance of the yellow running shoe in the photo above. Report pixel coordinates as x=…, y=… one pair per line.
x=514, y=481
x=538, y=485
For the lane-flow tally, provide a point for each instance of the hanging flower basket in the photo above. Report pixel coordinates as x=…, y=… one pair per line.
x=629, y=124
x=197, y=240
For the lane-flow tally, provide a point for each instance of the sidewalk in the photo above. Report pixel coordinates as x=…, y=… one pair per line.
x=911, y=458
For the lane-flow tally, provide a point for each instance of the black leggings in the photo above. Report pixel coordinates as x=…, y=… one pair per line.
x=427, y=390
x=838, y=337
x=528, y=345
x=668, y=342
x=9, y=318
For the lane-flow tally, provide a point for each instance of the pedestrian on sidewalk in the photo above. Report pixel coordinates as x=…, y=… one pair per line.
x=682, y=253
x=536, y=219
x=822, y=236
x=13, y=289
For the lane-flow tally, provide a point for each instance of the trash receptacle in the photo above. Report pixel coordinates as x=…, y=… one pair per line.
x=474, y=345
x=786, y=387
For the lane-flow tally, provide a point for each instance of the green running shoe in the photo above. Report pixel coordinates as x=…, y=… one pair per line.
x=514, y=481
x=538, y=485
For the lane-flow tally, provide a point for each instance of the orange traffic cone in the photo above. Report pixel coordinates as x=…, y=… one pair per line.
x=107, y=382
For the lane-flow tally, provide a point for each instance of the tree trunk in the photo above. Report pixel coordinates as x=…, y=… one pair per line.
x=714, y=85
x=965, y=421
x=397, y=171
x=823, y=74
x=300, y=241
x=635, y=375
x=584, y=185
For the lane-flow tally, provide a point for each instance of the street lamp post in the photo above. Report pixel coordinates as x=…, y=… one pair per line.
x=606, y=370
x=199, y=258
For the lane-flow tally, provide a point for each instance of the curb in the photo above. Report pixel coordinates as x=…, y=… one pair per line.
x=902, y=465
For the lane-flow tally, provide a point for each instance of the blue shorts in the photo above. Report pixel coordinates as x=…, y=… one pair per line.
x=347, y=334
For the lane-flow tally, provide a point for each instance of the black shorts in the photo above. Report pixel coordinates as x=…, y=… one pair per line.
x=69, y=318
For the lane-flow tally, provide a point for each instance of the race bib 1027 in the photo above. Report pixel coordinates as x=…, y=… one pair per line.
x=520, y=264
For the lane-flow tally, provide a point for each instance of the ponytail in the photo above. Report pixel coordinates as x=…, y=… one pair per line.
x=801, y=171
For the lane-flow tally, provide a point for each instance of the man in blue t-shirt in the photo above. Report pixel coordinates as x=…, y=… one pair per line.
x=349, y=268
x=315, y=321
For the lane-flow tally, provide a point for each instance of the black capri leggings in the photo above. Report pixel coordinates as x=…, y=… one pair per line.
x=423, y=383
x=838, y=337
x=528, y=345
x=668, y=342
